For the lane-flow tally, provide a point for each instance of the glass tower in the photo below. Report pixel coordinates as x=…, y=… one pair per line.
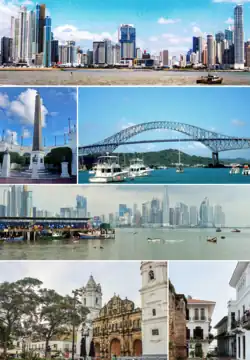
x=47, y=42
x=127, y=39
x=238, y=38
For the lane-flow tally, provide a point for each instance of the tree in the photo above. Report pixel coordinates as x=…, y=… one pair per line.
x=57, y=314
x=198, y=350
x=18, y=303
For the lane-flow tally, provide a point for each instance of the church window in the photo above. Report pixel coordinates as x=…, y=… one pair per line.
x=151, y=275
x=155, y=332
x=153, y=312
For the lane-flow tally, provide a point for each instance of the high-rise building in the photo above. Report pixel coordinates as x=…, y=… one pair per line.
x=204, y=213
x=210, y=51
x=116, y=54
x=165, y=207
x=81, y=206
x=127, y=39
x=195, y=44
x=63, y=54
x=22, y=54
x=122, y=209
x=229, y=36
x=41, y=11
x=71, y=52
x=6, y=50
x=200, y=49
x=238, y=38
x=99, y=53
x=193, y=216
x=47, y=42
x=54, y=51
x=108, y=52
x=31, y=37
x=165, y=58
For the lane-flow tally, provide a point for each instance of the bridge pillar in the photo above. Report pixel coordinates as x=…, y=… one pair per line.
x=215, y=157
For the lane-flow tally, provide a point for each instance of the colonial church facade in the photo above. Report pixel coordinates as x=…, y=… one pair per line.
x=119, y=328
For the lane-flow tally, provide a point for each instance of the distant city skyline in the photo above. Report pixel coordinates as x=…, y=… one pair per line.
x=17, y=106
x=160, y=25
x=105, y=200
x=132, y=109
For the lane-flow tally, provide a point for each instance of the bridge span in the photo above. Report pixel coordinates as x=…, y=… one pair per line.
x=216, y=142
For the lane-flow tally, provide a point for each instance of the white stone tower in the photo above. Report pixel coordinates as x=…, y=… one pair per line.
x=92, y=299
x=154, y=302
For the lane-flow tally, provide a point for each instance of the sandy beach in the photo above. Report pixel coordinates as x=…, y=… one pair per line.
x=114, y=77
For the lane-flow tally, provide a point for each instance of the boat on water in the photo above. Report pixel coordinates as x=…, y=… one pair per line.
x=246, y=170
x=218, y=230
x=157, y=241
x=138, y=169
x=234, y=170
x=56, y=235
x=236, y=231
x=92, y=172
x=108, y=170
x=212, y=239
x=210, y=80
x=17, y=239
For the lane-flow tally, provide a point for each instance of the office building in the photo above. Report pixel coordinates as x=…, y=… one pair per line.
x=238, y=38
x=54, y=52
x=210, y=51
x=127, y=39
x=47, y=42
x=99, y=55
x=6, y=50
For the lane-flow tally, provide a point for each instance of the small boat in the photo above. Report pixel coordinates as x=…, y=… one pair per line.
x=235, y=231
x=218, y=230
x=246, y=170
x=212, y=239
x=154, y=240
x=223, y=237
x=17, y=239
x=56, y=235
x=108, y=170
x=210, y=80
x=234, y=170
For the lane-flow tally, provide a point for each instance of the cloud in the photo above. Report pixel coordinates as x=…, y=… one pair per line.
x=153, y=38
x=7, y=10
x=229, y=21
x=11, y=137
x=129, y=124
x=165, y=21
x=53, y=113
x=4, y=101
x=175, y=39
x=70, y=32
x=26, y=134
x=24, y=107
x=238, y=123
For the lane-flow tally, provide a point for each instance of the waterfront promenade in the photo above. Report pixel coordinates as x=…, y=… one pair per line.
x=113, y=77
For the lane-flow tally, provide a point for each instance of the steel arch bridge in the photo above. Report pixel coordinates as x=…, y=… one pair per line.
x=216, y=142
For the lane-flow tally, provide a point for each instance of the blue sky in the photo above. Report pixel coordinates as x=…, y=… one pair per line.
x=17, y=113
x=85, y=21
x=223, y=110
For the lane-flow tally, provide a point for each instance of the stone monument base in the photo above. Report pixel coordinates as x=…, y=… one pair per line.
x=39, y=155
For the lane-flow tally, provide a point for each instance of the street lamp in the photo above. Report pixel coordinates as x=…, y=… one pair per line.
x=85, y=334
x=75, y=293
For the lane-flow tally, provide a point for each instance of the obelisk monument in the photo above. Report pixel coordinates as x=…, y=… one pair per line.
x=37, y=149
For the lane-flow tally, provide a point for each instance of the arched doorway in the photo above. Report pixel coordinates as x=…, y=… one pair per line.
x=97, y=350
x=137, y=348
x=115, y=347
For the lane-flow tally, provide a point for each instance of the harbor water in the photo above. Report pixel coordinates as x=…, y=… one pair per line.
x=190, y=176
x=133, y=244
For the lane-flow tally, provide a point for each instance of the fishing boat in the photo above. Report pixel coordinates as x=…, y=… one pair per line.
x=179, y=167
x=108, y=170
x=138, y=169
x=210, y=80
x=246, y=170
x=236, y=231
x=17, y=239
x=218, y=230
x=157, y=241
x=212, y=239
x=234, y=170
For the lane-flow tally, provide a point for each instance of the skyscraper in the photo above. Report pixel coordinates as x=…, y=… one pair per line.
x=210, y=51
x=47, y=42
x=6, y=50
x=99, y=52
x=23, y=35
x=127, y=39
x=54, y=51
x=165, y=207
x=204, y=213
x=81, y=206
x=41, y=10
x=229, y=36
x=238, y=38
x=195, y=44
x=31, y=37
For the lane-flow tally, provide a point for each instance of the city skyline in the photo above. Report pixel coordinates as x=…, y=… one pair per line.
x=104, y=202
x=211, y=282
x=69, y=276
x=131, y=109
x=180, y=21
x=17, y=107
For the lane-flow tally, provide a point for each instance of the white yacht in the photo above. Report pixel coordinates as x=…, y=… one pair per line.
x=246, y=170
x=108, y=170
x=179, y=166
x=138, y=169
x=234, y=170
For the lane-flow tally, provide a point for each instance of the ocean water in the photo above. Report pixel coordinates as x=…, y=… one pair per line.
x=190, y=176
x=132, y=244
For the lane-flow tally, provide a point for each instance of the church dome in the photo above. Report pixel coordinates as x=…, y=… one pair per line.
x=91, y=284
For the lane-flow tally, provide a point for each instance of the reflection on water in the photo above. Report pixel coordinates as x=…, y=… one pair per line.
x=132, y=244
